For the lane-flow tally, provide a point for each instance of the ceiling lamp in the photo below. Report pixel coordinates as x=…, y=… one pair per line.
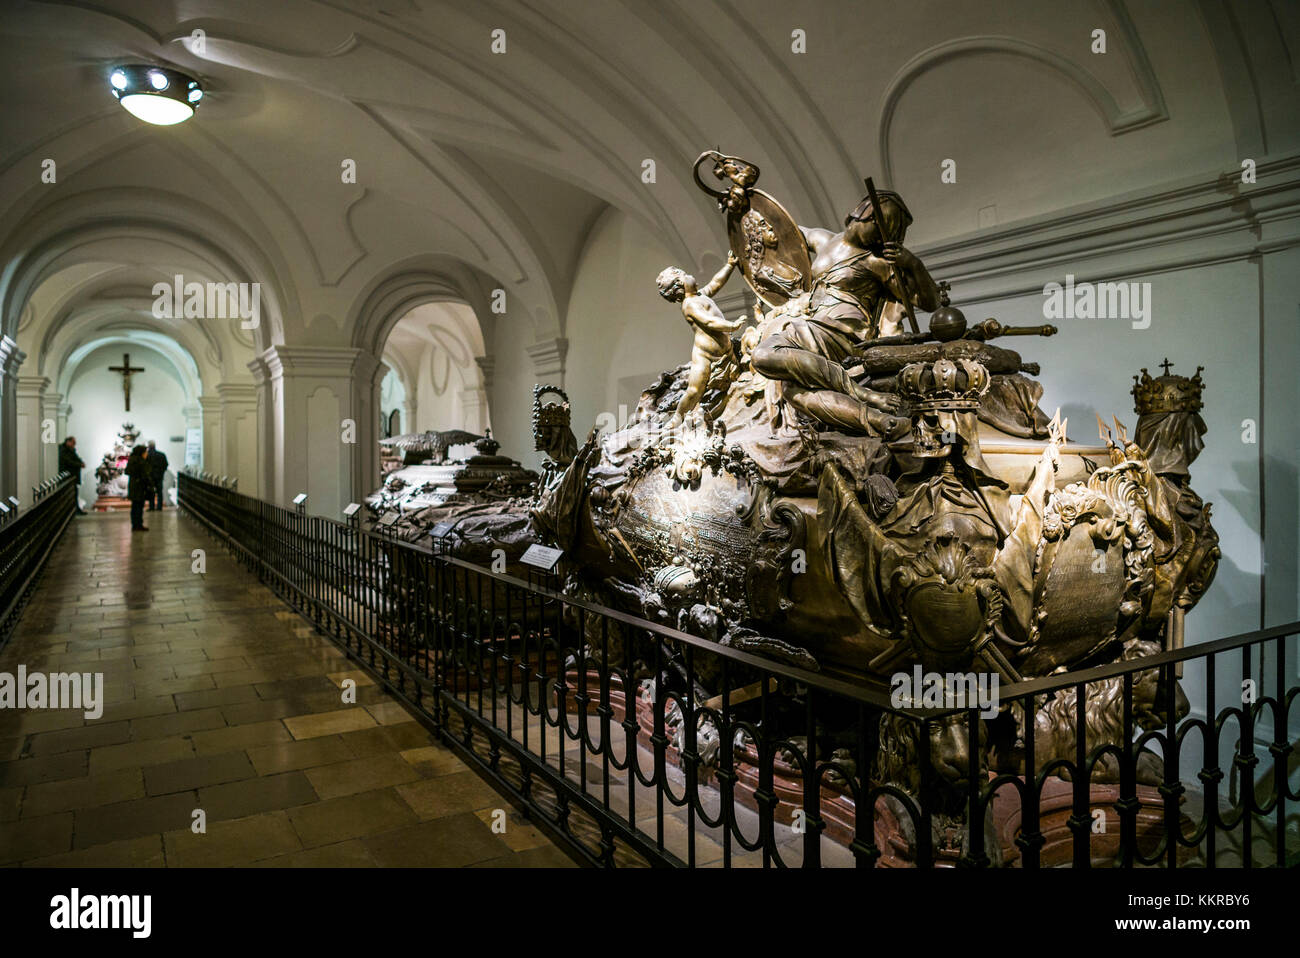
x=156, y=95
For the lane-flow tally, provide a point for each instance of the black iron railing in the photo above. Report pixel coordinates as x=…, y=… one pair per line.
x=27, y=534
x=599, y=725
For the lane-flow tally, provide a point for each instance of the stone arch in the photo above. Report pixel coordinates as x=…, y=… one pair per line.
x=68, y=230
x=413, y=283
x=378, y=311
x=93, y=295
x=73, y=325
x=182, y=362
x=1092, y=89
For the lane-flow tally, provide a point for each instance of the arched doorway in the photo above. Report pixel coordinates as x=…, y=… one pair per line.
x=433, y=348
x=431, y=332
x=163, y=392
x=191, y=389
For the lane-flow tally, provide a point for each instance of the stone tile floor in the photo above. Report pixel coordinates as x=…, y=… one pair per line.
x=217, y=697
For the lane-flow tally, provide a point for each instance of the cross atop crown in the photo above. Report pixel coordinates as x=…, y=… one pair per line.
x=1167, y=393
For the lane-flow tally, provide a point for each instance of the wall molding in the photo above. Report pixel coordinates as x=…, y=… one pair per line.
x=1198, y=221
x=548, y=357
x=326, y=362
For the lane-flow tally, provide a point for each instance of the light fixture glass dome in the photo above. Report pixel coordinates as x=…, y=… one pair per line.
x=158, y=110
x=158, y=95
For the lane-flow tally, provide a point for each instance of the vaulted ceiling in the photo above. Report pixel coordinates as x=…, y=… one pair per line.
x=485, y=169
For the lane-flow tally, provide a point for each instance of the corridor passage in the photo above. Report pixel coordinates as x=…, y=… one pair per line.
x=218, y=698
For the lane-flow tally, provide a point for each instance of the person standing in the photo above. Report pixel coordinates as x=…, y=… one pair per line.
x=157, y=474
x=69, y=461
x=138, y=485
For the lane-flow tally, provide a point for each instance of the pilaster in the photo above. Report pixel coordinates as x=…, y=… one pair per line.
x=324, y=408
x=548, y=359
x=29, y=395
x=11, y=357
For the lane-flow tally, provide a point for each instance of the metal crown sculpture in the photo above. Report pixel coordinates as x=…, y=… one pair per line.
x=944, y=384
x=1167, y=393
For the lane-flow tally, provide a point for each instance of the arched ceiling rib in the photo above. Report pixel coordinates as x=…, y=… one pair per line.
x=435, y=122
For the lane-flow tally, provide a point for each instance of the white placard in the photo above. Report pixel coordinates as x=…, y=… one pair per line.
x=351, y=509
x=388, y=518
x=193, y=446
x=300, y=498
x=541, y=557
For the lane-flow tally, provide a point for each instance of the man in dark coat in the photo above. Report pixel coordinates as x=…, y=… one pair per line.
x=157, y=473
x=69, y=461
x=138, y=486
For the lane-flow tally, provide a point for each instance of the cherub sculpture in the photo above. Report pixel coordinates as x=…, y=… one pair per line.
x=712, y=329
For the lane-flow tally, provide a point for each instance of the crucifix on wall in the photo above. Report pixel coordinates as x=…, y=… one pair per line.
x=126, y=369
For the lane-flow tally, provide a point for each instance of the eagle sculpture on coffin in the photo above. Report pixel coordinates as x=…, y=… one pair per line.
x=433, y=445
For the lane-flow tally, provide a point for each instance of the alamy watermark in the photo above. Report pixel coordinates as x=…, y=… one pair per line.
x=1084, y=300
x=181, y=300
x=77, y=911
x=945, y=690
x=652, y=428
x=55, y=690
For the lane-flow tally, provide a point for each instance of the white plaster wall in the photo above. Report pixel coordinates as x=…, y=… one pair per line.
x=243, y=430
x=323, y=480
x=621, y=333
x=97, y=409
x=31, y=449
x=1200, y=317
x=392, y=394
x=1026, y=139
x=511, y=391
x=438, y=403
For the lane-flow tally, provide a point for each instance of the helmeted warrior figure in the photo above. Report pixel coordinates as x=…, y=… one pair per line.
x=856, y=275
